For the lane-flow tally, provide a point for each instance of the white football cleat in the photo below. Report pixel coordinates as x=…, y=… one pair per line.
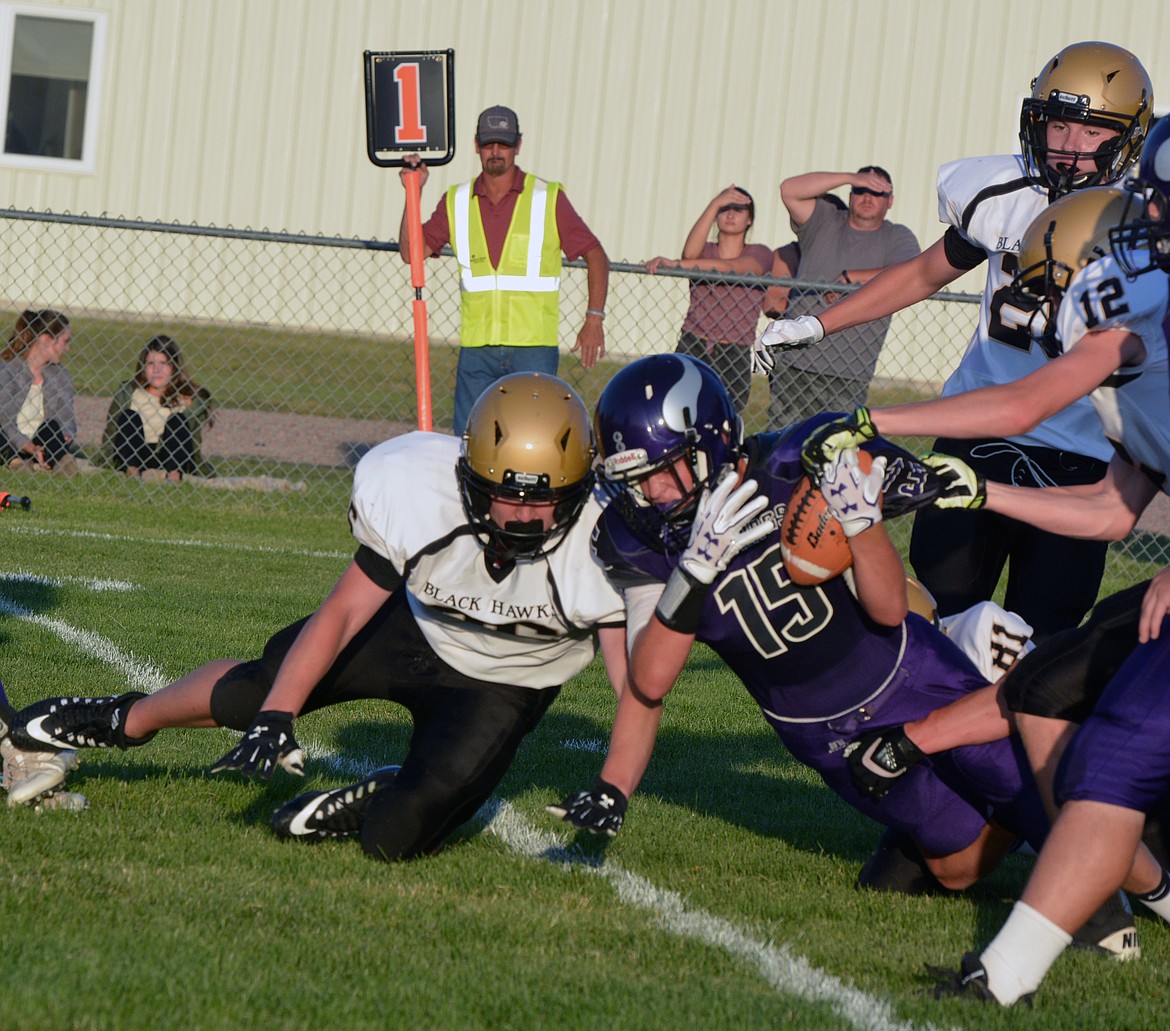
x=30, y=776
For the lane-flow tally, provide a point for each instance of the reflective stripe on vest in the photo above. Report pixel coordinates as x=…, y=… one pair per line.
x=514, y=304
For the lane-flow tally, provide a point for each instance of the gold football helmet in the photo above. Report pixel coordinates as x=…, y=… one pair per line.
x=921, y=600
x=1065, y=237
x=528, y=440
x=1096, y=83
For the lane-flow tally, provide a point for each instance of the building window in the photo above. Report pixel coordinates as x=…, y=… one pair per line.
x=50, y=70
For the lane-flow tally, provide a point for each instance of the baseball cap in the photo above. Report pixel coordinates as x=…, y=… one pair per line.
x=498, y=125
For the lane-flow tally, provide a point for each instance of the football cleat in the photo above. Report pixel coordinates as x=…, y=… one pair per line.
x=897, y=866
x=317, y=815
x=63, y=801
x=1111, y=931
x=30, y=776
x=968, y=982
x=65, y=723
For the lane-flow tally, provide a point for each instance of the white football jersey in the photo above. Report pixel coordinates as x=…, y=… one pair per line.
x=535, y=628
x=990, y=201
x=1134, y=403
x=990, y=636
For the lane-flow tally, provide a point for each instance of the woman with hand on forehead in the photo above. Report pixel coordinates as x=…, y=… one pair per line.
x=720, y=326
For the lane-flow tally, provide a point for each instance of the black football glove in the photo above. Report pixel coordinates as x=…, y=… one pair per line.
x=268, y=743
x=878, y=759
x=822, y=445
x=600, y=810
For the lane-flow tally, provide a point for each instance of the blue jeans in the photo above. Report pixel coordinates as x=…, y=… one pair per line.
x=480, y=367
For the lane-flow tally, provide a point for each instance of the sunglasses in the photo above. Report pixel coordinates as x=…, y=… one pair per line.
x=864, y=191
x=734, y=207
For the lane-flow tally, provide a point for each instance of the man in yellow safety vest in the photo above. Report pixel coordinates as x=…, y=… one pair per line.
x=508, y=230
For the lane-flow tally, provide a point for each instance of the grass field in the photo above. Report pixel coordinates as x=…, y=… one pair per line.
x=726, y=902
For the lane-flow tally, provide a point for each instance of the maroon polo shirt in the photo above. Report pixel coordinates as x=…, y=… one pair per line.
x=576, y=237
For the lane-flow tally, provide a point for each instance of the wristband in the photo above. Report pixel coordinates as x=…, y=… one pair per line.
x=845, y=276
x=681, y=606
x=599, y=312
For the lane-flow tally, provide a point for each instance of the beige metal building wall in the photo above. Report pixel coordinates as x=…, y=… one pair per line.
x=250, y=112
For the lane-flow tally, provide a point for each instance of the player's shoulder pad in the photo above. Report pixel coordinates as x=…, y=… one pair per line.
x=1130, y=300
x=960, y=183
x=627, y=561
x=414, y=449
x=965, y=177
x=779, y=451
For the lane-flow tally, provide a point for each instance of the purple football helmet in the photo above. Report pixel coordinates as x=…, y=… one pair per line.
x=655, y=411
x=1141, y=243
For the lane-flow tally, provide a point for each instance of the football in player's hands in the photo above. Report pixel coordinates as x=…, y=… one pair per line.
x=812, y=542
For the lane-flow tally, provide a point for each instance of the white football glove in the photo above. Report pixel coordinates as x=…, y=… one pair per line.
x=720, y=531
x=853, y=497
x=785, y=335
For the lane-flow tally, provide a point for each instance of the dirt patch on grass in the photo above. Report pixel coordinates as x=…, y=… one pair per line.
x=276, y=436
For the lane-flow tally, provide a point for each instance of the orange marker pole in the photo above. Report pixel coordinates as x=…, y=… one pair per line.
x=418, y=279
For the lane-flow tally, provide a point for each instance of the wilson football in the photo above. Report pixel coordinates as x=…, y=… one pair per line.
x=812, y=543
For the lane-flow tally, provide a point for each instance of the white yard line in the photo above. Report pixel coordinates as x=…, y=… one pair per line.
x=785, y=971
x=585, y=744
x=40, y=531
x=141, y=675
x=20, y=576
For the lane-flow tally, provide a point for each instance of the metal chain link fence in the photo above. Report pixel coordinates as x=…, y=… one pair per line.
x=306, y=346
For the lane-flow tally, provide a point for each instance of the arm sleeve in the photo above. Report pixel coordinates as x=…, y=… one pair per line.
x=378, y=568
x=961, y=252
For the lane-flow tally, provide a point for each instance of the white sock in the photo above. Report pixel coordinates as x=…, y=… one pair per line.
x=1158, y=900
x=1022, y=953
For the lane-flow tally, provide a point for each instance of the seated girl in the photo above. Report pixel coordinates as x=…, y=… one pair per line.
x=156, y=420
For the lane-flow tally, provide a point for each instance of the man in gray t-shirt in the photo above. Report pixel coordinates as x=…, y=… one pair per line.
x=836, y=246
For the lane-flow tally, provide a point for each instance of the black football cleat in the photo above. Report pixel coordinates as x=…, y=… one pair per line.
x=968, y=982
x=318, y=815
x=65, y=723
x=1111, y=931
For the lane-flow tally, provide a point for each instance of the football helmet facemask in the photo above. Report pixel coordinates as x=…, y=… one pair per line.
x=1098, y=84
x=527, y=440
x=1064, y=238
x=655, y=411
x=1142, y=242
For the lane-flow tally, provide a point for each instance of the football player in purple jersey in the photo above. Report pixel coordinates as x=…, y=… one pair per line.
x=690, y=540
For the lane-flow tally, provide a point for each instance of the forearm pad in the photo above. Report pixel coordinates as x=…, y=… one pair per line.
x=681, y=606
